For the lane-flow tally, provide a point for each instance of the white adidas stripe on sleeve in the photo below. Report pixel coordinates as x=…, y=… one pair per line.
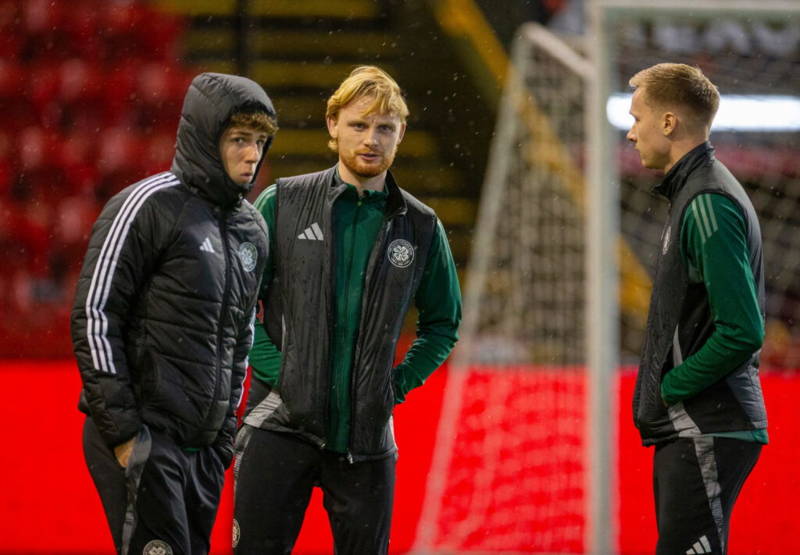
x=96, y=321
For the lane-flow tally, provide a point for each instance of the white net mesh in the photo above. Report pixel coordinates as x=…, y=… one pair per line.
x=508, y=472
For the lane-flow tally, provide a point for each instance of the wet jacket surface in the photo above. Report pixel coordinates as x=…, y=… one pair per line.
x=304, y=311
x=682, y=318
x=164, y=307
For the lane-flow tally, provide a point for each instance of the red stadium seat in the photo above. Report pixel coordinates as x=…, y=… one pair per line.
x=7, y=173
x=74, y=217
x=158, y=153
x=36, y=149
x=119, y=86
x=119, y=160
x=80, y=94
x=17, y=110
x=76, y=157
x=10, y=36
x=118, y=149
x=43, y=85
x=160, y=92
x=79, y=82
x=12, y=79
x=82, y=29
x=119, y=22
x=158, y=38
x=42, y=27
x=32, y=234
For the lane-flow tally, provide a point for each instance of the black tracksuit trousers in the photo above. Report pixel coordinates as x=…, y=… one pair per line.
x=275, y=474
x=165, y=501
x=696, y=483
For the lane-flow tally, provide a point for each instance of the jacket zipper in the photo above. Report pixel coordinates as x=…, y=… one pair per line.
x=354, y=223
x=223, y=230
x=331, y=244
x=357, y=354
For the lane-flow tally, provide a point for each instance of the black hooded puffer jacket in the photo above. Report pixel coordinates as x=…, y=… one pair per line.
x=163, y=313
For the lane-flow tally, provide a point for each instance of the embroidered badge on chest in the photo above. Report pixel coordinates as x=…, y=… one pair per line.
x=157, y=547
x=400, y=253
x=248, y=254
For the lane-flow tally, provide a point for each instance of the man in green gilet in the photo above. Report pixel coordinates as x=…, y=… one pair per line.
x=698, y=397
x=350, y=253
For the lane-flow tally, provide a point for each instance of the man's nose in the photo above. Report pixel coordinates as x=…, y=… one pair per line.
x=371, y=137
x=253, y=153
x=630, y=136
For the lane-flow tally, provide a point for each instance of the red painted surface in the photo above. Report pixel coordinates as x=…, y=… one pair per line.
x=767, y=507
x=49, y=505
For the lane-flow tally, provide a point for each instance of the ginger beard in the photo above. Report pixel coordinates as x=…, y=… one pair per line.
x=367, y=162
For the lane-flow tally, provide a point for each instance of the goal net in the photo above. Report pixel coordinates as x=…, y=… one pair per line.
x=518, y=466
x=508, y=471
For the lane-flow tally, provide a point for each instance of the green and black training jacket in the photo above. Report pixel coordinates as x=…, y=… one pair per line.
x=345, y=270
x=699, y=369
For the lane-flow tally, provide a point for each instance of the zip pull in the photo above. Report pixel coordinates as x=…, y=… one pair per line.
x=349, y=457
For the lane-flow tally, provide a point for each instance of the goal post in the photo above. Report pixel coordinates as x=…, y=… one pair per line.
x=557, y=289
x=520, y=354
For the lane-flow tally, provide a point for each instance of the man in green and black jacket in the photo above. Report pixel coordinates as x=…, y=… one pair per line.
x=350, y=252
x=698, y=396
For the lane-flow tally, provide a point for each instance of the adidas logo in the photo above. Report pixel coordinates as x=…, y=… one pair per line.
x=206, y=246
x=700, y=546
x=312, y=233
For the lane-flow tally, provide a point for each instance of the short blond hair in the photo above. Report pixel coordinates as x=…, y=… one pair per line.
x=371, y=82
x=671, y=84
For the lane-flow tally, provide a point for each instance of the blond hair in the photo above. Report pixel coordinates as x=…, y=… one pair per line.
x=670, y=84
x=370, y=82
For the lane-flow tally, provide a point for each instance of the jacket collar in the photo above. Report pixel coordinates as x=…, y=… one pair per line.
x=679, y=173
x=395, y=202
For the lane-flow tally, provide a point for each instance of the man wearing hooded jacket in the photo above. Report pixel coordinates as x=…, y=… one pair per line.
x=162, y=322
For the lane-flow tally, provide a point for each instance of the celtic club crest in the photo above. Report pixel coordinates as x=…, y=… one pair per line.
x=400, y=253
x=248, y=254
x=157, y=547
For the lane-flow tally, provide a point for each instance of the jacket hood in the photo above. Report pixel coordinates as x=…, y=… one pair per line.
x=209, y=103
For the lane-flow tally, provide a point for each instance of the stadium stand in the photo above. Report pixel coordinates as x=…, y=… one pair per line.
x=89, y=89
x=93, y=92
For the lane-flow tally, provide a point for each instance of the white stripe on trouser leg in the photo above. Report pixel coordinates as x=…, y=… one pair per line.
x=704, y=449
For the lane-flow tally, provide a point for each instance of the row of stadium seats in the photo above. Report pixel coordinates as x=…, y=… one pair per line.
x=75, y=93
x=95, y=30
x=91, y=92
x=80, y=161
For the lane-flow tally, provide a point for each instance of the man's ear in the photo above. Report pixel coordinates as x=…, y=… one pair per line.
x=669, y=123
x=402, y=132
x=331, y=123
